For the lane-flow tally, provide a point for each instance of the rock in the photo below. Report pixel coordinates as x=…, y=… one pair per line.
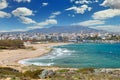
x=108, y=71
x=46, y=74
x=43, y=74
x=71, y=71
x=103, y=71
x=51, y=73
x=97, y=71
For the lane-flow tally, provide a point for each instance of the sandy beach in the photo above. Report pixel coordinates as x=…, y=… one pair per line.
x=10, y=58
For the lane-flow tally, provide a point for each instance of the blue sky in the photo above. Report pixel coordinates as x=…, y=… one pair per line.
x=22, y=15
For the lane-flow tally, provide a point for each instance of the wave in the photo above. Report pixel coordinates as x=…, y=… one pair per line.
x=35, y=63
x=57, y=53
x=43, y=64
x=48, y=59
x=61, y=52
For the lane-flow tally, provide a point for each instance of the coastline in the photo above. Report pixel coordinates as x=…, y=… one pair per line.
x=43, y=49
x=12, y=57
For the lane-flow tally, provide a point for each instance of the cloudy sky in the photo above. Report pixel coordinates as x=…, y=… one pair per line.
x=22, y=15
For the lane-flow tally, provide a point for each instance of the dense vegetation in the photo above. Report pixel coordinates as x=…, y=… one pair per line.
x=17, y=75
x=11, y=44
x=60, y=74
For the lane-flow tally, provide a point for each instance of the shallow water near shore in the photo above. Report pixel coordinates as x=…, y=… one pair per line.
x=83, y=55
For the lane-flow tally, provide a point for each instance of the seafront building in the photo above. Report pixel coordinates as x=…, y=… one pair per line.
x=61, y=37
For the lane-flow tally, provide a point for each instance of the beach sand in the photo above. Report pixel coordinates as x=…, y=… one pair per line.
x=10, y=58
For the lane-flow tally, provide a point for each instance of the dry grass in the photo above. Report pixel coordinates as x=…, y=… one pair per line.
x=32, y=72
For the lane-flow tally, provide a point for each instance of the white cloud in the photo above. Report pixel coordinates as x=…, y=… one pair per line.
x=34, y=27
x=105, y=14
x=21, y=30
x=90, y=23
x=48, y=22
x=14, y=30
x=80, y=10
x=83, y=1
x=111, y=3
x=54, y=14
x=72, y=0
x=89, y=8
x=22, y=11
x=96, y=1
x=44, y=23
x=44, y=4
x=22, y=0
x=3, y=4
x=4, y=31
x=27, y=20
x=110, y=28
x=4, y=14
x=71, y=15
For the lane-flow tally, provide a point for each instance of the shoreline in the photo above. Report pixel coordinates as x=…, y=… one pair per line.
x=11, y=58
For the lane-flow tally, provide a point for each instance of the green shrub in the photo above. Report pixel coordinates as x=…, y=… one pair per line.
x=63, y=70
x=9, y=72
x=85, y=70
x=11, y=44
x=33, y=74
x=3, y=47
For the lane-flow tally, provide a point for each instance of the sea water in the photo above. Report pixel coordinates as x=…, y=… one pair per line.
x=84, y=55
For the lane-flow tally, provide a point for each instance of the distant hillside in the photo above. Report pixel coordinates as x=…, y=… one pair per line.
x=64, y=29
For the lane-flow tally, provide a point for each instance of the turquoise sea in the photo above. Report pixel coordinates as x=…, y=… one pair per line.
x=84, y=55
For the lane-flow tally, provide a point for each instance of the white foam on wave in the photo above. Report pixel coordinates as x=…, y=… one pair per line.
x=23, y=61
x=35, y=63
x=68, y=51
x=57, y=53
x=43, y=64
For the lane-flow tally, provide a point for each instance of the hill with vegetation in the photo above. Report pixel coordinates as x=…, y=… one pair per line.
x=37, y=73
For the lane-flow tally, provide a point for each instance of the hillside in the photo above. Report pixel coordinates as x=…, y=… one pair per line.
x=65, y=29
